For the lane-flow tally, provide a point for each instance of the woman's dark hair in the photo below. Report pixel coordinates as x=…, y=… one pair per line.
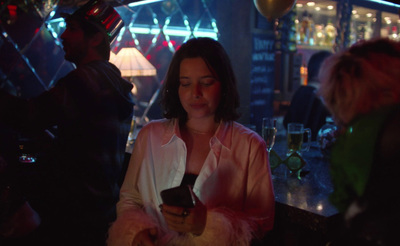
x=216, y=58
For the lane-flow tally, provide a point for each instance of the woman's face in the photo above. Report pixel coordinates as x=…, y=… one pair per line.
x=199, y=90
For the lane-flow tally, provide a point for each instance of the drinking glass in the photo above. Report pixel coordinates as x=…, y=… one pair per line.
x=269, y=132
x=295, y=134
x=132, y=131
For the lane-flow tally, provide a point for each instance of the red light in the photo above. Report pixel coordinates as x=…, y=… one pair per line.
x=12, y=9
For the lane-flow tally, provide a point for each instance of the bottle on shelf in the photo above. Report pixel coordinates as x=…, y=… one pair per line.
x=330, y=34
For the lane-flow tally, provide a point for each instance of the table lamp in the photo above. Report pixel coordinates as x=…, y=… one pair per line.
x=132, y=63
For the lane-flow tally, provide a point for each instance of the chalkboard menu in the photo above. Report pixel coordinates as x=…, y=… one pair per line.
x=262, y=78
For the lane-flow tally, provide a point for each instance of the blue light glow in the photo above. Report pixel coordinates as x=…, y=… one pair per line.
x=384, y=3
x=143, y=2
x=174, y=31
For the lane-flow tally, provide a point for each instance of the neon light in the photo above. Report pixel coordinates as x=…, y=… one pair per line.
x=385, y=3
x=182, y=31
x=56, y=20
x=135, y=4
x=119, y=38
x=173, y=31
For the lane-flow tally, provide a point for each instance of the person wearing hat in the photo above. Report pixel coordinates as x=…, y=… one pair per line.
x=92, y=109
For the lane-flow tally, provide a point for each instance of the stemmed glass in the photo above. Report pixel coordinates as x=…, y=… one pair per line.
x=269, y=132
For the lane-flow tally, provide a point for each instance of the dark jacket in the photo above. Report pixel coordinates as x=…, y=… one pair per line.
x=307, y=108
x=92, y=109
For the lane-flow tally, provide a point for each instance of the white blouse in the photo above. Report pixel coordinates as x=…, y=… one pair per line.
x=234, y=184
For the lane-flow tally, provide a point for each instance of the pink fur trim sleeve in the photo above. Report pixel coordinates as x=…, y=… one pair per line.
x=128, y=224
x=224, y=226
x=227, y=228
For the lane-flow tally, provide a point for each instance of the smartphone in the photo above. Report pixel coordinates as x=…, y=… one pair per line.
x=181, y=196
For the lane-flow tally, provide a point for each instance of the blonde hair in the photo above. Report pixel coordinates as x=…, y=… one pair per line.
x=361, y=79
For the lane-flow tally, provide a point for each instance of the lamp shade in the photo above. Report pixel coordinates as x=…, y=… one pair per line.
x=132, y=63
x=112, y=56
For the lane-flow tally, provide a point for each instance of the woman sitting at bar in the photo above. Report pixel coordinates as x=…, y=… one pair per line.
x=200, y=145
x=361, y=88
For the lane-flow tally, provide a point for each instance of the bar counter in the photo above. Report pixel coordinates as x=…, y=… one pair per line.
x=304, y=215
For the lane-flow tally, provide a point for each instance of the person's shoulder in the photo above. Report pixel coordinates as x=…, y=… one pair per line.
x=245, y=133
x=245, y=139
x=157, y=123
x=306, y=89
x=76, y=76
x=91, y=69
x=71, y=80
x=302, y=94
x=158, y=126
x=71, y=74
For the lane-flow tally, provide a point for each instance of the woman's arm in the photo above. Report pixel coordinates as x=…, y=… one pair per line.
x=228, y=226
x=131, y=217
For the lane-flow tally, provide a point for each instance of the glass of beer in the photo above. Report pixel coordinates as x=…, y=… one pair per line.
x=269, y=132
x=295, y=136
x=132, y=132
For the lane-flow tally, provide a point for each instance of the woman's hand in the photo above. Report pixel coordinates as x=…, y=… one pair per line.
x=145, y=238
x=188, y=220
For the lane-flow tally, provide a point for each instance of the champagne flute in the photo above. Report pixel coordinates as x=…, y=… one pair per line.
x=269, y=132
